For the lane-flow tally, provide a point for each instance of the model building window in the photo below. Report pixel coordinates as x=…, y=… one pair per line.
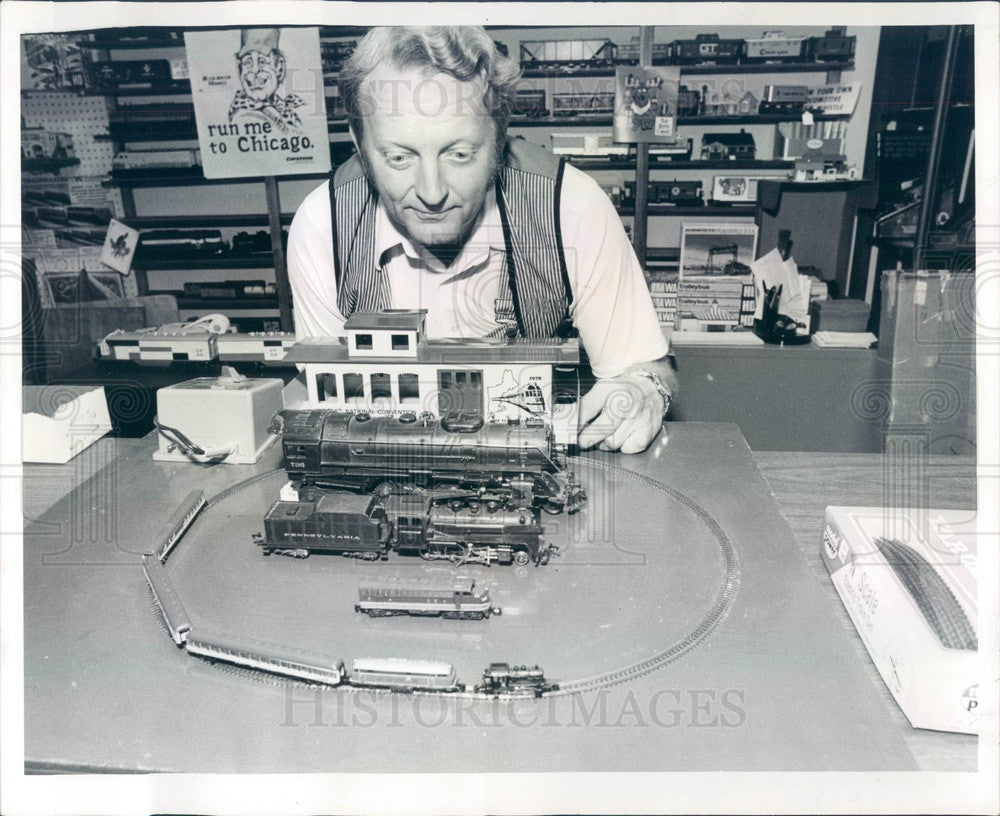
x=381, y=389
x=326, y=387
x=354, y=389
x=363, y=342
x=409, y=389
x=460, y=392
x=400, y=342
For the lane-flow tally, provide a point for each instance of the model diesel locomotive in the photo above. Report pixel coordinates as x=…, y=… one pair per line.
x=519, y=463
x=459, y=600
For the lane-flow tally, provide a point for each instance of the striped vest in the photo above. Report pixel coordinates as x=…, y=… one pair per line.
x=527, y=191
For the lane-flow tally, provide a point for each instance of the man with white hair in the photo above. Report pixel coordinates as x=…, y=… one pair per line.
x=440, y=210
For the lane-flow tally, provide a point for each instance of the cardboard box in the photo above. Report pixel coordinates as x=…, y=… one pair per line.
x=907, y=578
x=60, y=421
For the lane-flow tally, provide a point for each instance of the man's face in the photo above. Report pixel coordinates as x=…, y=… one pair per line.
x=429, y=149
x=260, y=74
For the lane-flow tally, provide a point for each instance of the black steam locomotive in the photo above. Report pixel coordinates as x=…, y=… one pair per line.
x=503, y=679
x=517, y=464
x=452, y=526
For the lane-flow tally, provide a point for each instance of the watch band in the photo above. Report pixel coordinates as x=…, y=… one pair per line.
x=657, y=384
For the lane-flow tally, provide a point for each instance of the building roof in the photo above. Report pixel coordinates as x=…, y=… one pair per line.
x=388, y=319
x=728, y=139
x=446, y=351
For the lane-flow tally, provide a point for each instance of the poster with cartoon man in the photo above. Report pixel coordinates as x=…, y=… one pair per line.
x=258, y=101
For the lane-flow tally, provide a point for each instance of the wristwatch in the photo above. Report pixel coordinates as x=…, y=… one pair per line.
x=657, y=384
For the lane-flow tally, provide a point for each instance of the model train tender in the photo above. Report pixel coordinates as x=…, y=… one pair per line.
x=519, y=463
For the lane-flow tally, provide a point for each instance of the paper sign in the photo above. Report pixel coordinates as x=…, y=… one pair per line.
x=119, y=246
x=258, y=101
x=646, y=103
x=834, y=100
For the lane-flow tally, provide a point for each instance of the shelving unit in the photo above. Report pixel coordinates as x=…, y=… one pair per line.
x=164, y=116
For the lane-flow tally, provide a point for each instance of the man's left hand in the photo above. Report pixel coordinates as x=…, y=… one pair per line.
x=624, y=413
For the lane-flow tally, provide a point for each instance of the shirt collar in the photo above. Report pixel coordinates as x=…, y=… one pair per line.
x=486, y=236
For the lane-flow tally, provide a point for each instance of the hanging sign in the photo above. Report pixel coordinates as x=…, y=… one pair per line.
x=646, y=103
x=258, y=101
x=834, y=100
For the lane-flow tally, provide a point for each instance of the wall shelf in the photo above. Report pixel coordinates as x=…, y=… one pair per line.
x=744, y=119
x=701, y=70
x=194, y=221
x=181, y=178
x=46, y=165
x=705, y=210
x=685, y=164
x=261, y=261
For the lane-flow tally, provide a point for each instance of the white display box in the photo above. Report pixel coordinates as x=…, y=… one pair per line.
x=60, y=421
x=217, y=413
x=908, y=580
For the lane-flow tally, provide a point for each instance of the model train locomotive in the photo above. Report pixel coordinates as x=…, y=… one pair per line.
x=517, y=463
x=448, y=525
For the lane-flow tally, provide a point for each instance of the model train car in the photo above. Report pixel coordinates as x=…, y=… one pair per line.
x=530, y=104
x=436, y=526
x=628, y=53
x=706, y=48
x=172, y=243
x=339, y=449
x=583, y=104
x=679, y=193
x=459, y=600
x=773, y=46
x=834, y=46
x=568, y=55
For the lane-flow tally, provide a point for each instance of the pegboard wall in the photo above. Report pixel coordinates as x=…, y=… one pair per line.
x=83, y=117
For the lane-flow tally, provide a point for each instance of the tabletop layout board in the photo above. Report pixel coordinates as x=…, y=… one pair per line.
x=679, y=605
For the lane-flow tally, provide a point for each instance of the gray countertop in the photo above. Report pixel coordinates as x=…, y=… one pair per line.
x=780, y=682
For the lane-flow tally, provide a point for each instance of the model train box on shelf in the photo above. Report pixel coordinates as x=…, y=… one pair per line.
x=646, y=103
x=795, y=140
x=223, y=418
x=60, y=421
x=387, y=365
x=908, y=579
x=735, y=189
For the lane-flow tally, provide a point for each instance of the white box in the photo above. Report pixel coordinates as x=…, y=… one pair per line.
x=908, y=580
x=216, y=413
x=57, y=425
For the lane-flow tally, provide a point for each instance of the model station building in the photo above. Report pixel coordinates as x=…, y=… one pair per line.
x=385, y=364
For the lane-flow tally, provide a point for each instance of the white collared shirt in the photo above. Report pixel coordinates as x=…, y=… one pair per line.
x=611, y=306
